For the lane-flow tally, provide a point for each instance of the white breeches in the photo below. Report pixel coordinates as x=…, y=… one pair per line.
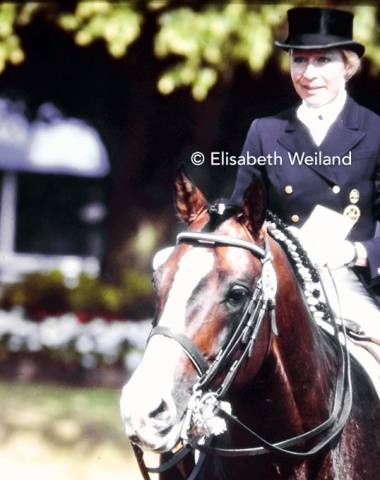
x=355, y=303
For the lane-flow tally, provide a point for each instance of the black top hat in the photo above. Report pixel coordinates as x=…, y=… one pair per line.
x=318, y=28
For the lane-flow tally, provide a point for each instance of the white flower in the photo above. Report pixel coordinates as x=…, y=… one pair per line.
x=94, y=342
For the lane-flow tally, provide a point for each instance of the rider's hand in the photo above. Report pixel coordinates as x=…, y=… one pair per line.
x=334, y=254
x=337, y=254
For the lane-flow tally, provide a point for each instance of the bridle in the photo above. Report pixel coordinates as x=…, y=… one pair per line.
x=206, y=409
x=262, y=300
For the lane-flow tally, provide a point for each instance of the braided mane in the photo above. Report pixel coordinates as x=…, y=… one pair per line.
x=304, y=270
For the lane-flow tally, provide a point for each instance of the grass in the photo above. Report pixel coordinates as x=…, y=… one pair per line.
x=50, y=432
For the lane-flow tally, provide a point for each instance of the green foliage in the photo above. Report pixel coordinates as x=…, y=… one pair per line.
x=46, y=293
x=10, y=48
x=211, y=42
x=119, y=24
x=136, y=285
x=92, y=295
x=366, y=31
x=203, y=44
x=39, y=292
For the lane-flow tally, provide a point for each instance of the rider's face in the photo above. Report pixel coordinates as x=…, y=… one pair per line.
x=318, y=75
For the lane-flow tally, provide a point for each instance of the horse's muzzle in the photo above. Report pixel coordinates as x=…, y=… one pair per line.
x=150, y=421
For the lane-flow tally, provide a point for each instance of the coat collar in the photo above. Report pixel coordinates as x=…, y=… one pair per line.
x=344, y=134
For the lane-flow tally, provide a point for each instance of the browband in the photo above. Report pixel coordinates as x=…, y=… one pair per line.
x=215, y=238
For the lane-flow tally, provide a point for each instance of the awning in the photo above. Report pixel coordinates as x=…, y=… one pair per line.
x=51, y=144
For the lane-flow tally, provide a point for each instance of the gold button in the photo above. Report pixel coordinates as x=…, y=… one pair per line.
x=354, y=196
x=288, y=189
x=336, y=189
x=295, y=218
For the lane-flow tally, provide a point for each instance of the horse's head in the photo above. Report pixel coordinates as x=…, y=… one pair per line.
x=204, y=289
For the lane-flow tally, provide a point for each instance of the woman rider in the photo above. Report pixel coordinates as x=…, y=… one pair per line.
x=328, y=153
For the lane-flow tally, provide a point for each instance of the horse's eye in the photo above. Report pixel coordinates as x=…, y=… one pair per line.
x=237, y=295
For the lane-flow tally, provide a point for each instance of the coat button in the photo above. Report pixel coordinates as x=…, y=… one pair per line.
x=295, y=218
x=288, y=189
x=336, y=189
x=378, y=271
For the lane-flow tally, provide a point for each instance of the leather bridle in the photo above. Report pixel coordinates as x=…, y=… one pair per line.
x=262, y=300
x=243, y=338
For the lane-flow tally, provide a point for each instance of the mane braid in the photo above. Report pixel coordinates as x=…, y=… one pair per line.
x=305, y=272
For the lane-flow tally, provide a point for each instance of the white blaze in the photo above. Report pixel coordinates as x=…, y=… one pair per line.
x=153, y=384
x=192, y=268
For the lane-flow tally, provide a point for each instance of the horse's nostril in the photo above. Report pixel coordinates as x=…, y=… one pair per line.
x=161, y=410
x=134, y=439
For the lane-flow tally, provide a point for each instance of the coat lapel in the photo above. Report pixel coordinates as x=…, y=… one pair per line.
x=340, y=140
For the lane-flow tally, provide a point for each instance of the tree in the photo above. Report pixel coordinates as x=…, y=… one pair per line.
x=208, y=40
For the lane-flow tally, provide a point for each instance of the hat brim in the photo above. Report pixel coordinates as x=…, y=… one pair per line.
x=357, y=47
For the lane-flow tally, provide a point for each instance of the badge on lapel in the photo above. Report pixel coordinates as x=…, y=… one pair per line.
x=353, y=211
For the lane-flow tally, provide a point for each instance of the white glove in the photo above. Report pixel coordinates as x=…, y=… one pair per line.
x=322, y=252
x=337, y=255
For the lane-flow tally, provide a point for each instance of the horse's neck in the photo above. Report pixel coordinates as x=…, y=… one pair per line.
x=299, y=357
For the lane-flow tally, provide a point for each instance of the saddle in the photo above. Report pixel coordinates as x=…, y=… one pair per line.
x=359, y=338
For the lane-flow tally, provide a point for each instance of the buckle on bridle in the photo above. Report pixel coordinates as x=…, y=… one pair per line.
x=202, y=417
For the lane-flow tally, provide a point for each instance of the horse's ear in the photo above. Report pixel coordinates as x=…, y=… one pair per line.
x=189, y=200
x=254, y=208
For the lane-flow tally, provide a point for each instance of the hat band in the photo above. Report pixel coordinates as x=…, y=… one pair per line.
x=316, y=40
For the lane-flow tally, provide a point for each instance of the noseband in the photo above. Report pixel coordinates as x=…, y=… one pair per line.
x=205, y=405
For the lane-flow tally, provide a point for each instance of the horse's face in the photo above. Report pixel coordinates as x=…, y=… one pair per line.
x=201, y=292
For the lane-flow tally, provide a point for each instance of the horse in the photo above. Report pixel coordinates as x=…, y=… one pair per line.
x=239, y=380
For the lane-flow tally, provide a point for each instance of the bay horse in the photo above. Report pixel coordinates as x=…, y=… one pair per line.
x=237, y=372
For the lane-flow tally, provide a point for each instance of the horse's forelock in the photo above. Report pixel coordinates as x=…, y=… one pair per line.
x=219, y=212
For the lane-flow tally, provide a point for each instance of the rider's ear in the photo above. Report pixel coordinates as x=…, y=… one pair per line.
x=189, y=200
x=254, y=208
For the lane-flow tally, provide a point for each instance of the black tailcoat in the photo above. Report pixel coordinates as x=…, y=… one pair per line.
x=342, y=173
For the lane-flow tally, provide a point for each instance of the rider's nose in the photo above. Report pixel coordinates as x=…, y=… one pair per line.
x=310, y=71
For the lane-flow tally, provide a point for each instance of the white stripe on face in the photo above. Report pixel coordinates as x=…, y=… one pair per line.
x=192, y=268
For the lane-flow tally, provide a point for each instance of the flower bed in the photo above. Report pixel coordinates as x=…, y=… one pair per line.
x=64, y=343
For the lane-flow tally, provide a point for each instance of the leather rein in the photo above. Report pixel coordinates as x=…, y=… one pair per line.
x=206, y=405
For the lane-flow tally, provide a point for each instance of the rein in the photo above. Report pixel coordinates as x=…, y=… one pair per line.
x=207, y=413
